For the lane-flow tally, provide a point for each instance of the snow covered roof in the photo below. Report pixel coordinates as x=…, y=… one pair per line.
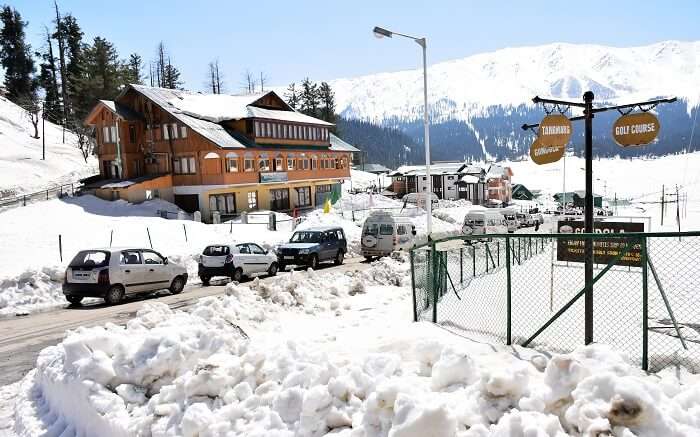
x=469, y=179
x=293, y=116
x=214, y=132
x=439, y=168
x=338, y=145
x=373, y=168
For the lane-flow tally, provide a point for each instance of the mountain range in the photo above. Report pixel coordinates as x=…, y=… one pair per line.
x=477, y=104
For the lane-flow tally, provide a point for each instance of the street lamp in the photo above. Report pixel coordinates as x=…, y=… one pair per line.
x=381, y=33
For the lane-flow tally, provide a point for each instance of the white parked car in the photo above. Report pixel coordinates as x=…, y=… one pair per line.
x=384, y=233
x=235, y=261
x=114, y=273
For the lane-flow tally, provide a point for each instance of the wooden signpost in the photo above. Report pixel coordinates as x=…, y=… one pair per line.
x=553, y=135
x=636, y=129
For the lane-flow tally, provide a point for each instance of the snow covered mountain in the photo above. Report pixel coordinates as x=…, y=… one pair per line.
x=478, y=103
x=21, y=168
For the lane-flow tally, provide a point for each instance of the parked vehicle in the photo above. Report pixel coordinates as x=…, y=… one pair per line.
x=313, y=246
x=526, y=220
x=384, y=233
x=235, y=261
x=113, y=274
x=484, y=222
x=512, y=222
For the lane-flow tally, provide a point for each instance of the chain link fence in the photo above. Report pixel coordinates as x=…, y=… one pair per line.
x=530, y=289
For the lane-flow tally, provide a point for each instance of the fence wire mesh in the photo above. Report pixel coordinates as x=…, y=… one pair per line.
x=529, y=289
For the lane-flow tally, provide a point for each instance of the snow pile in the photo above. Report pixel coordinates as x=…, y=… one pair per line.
x=196, y=374
x=21, y=168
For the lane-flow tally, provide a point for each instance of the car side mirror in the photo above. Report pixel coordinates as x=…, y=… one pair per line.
x=414, y=232
x=165, y=261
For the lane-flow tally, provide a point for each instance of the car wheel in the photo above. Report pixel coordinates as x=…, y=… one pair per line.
x=205, y=280
x=237, y=275
x=114, y=295
x=313, y=262
x=177, y=285
x=74, y=300
x=339, y=258
x=281, y=267
x=272, y=271
x=369, y=259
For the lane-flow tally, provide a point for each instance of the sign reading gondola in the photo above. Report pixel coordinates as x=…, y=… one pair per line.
x=636, y=129
x=543, y=154
x=554, y=130
x=605, y=250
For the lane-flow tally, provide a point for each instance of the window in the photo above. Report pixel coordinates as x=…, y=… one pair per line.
x=323, y=163
x=296, y=132
x=243, y=249
x=90, y=258
x=138, y=167
x=290, y=162
x=174, y=130
x=224, y=203
x=279, y=199
x=253, y=200
x=256, y=250
x=184, y=165
x=386, y=230
x=305, y=163
x=132, y=134
x=105, y=134
x=249, y=164
x=278, y=164
x=275, y=132
x=268, y=130
x=304, y=196
x=340, y=235
x=231, y=163
x=264, y=163
x=129, y=257
x=166, y=132
x=401, y=230
x=216, y=251
x=258, y=131
x=314, y=163
x=114, y=133
x=183, y=132
x=286, y=131
x=152, y=257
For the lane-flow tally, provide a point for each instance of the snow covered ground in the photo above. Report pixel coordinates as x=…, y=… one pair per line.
x=324, y=355
x=21, y=167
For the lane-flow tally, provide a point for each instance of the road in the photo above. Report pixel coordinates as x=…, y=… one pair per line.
x=21, y=338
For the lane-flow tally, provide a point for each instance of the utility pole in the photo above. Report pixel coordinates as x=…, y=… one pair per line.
x=43, y=131
x=663, y=203
x=678, y=209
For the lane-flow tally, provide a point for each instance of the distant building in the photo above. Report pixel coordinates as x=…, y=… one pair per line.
x=578, y=198
x=373, y=168
x=498, y=179
x=450, y=180
x=521, y=192
x=215, y=153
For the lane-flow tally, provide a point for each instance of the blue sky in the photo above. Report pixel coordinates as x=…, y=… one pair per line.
x=331, y=39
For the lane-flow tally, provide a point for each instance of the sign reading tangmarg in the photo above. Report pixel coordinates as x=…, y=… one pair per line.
x=543, y=154
x=636, y=129
x=554, y=130
x=604, y=250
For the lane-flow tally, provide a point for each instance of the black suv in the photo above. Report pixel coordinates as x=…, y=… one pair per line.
x=312, y=246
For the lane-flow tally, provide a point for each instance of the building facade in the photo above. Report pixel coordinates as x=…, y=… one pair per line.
x=450, y=180
x=220, y=153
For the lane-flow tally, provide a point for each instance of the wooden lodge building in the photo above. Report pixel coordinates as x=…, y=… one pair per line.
x=215, y=152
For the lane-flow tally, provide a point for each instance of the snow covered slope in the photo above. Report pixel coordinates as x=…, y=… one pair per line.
x=464, y=88
x=21, y=167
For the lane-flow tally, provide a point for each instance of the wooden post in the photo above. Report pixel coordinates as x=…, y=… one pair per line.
x=184, y=228
x=149, y=237
x=60, y=248
x=111, y=235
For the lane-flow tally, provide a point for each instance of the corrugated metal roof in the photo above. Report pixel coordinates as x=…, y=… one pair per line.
x=121, y=110
x=274, y=114
x=338, y=145
x=214, y=132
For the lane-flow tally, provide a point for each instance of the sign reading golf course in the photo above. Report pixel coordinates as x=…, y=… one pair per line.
x=604, y=250
x=552, y=137
x=636, y=129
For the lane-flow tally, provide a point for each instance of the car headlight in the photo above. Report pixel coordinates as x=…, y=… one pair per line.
x=304, y=252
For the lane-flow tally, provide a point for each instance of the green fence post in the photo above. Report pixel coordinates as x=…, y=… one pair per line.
x=473, y=260
x=486, y=256
x=434, y=281
x=413, y=287
x=508, y=293
x=461, y=265
x=645, y=307
x=498, y=253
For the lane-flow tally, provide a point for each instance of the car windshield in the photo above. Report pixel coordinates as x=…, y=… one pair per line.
x=90, y=258
x=216, y=251
x=306, y=237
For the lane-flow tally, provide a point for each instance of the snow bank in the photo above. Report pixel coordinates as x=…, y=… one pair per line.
x=197, y=374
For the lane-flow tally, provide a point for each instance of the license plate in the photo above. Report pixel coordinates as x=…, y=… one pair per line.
x=81, y=275
x=288, y=257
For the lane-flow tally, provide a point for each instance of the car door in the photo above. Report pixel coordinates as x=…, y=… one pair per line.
x=245, y=258
x=259, y=258
x=328, y=248
x=132, y=270
x=156, y=273
x=385, y=239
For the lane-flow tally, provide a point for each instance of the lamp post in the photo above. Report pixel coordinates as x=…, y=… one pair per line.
x=381, y=33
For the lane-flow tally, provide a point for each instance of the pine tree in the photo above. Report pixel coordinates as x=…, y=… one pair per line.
x=15, y=56
x=102, y=76
x=309, y=98
x=171, y=76
x=73, y=38
x=131, y=71
x=327, y=98
x=49, y=82
x=291, y=96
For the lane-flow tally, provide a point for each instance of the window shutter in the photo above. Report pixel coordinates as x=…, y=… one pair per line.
x=176, y=166
x=193, y=169
x=183, y=131
x=174, y=131
x=114, y=133
x=105, y=134
x=166, y=136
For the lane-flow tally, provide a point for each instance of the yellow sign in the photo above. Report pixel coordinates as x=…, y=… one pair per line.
x=554, y=130
x=544, y=154
x=636, y=129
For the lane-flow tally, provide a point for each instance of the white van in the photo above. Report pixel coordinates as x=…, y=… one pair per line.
x=512, y=222
x=384, y=233
x=484, y=222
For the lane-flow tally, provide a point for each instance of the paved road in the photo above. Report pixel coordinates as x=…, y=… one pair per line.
x=21, y=338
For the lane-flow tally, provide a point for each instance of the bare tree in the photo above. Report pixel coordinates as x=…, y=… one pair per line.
x=215, y=80
x=249, y=82
x=84, y=140
x=32, y=110
x=263, y=81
